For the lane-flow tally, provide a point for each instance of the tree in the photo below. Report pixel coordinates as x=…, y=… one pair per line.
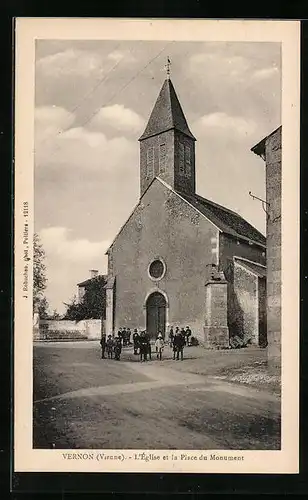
x=93, y=303
x=42, y=308
x=55, y=315
x=39, y=277
x=94, y=299
x=74, y=310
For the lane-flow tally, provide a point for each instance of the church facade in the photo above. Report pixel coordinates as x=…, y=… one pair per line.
x=181, y=259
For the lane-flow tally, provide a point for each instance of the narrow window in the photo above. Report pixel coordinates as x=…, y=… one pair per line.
x=162, y=158
x=187, y=161
x=150, y=162
x=181, y=158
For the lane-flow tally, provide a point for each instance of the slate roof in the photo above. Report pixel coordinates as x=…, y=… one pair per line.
x=259, y=149
x=226, y=220
x=256, y=269
x=86, y=282
x=167, y=114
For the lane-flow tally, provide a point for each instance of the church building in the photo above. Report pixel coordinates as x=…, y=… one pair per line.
x=181, y=259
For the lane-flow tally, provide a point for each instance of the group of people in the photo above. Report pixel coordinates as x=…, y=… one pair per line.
x=178, y=339
x=185, y=333
x=142, y=345
x=112, y=346
x=125, y=335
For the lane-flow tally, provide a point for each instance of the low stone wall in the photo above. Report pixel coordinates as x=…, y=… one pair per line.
x=88, y=329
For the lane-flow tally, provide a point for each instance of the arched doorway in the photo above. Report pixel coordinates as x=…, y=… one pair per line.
x=156, y=314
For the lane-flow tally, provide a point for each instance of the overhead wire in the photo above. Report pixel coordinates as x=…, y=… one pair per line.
x=113, y=96
x=85, y=97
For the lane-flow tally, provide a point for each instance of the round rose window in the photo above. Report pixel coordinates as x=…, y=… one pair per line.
x=156, y=269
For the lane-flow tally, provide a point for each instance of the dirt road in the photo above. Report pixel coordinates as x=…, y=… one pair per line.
x=81, y=401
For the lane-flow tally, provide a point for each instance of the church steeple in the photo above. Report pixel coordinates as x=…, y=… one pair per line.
x=167, y=146
x=167, y=114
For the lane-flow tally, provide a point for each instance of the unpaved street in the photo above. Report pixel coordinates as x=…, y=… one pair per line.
x=82, y=401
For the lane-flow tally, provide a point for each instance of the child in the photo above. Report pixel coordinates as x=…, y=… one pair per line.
x=159, y=344
x=117, y=349
x=136, y=341
x=109, y=347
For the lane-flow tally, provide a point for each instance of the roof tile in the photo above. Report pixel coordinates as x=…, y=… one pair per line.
x=167, y=114
x=228, y=221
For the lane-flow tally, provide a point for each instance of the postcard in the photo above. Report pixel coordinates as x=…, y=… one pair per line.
x=156, y=322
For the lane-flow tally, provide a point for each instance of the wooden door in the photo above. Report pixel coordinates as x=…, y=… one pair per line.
x=156, y=314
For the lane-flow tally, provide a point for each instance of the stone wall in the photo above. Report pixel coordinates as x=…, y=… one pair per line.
x=273, y=196
x=228, y=248
x=262, y=312
x=246, y=305
x=163, y=226
x=88, y=329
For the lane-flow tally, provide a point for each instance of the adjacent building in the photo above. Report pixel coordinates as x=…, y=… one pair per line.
x=81, y=287
x=269, y=149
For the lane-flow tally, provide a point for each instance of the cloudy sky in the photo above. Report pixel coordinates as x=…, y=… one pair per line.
x=93, y=99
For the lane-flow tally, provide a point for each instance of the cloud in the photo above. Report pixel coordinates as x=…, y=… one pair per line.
x=83, y=135
x=265, y=73
x=50, y=120
x=232, y=67
x=221, y=122
x=208, y=63
x=118, y=117
x=79, y=147
x=72, y=63
x=59, y=245
x=121, y=55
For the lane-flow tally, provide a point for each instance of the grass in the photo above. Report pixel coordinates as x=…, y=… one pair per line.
x=246, y=366
x=255, y=374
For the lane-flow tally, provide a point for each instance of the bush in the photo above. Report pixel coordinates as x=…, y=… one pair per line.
x=237, y=342
x=194, y=341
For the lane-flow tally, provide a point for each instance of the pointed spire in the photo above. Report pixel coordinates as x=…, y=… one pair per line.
x=167, y=113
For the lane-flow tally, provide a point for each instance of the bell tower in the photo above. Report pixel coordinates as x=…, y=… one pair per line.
x=167, y=146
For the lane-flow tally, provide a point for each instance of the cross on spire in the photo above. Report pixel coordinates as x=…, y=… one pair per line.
x=167, y=67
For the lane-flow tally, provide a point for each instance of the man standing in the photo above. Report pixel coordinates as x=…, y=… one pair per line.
x=171, y=336
x=178, y=343
x=136, y=339
x=143, y=347
x=174, y=342
x=149, y=350
x=103, y=345
x=124, y=336
x=183, y=335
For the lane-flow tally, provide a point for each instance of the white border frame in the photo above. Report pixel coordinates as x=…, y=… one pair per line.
x=286, y=460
